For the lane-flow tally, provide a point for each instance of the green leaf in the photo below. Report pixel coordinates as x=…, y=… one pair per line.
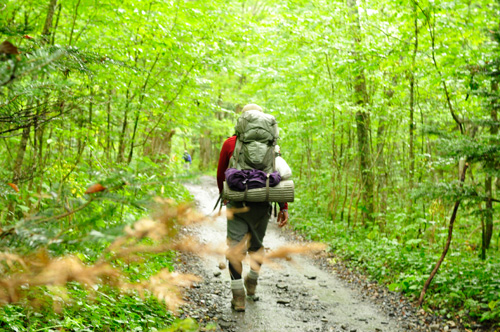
x=100, y=223
x=24, y=208
x=394, y=287
x=493, y=304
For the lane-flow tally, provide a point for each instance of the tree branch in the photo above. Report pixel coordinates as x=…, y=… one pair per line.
x=64, y=215
x=434, y=61
x=169, y=104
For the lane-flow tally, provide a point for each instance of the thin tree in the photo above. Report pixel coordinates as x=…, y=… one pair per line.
x=448, y=240
x=362, y=119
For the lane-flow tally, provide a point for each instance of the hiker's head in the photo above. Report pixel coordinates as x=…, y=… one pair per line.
x=251, y=107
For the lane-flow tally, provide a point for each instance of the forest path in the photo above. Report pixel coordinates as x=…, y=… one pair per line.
x=303, y=295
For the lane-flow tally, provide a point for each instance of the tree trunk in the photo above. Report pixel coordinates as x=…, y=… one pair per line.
x=488, y=182
x=89, y=130
x=166, y=143
x=48, y=21
x=108, y=134
x=205, y=150
x=382, y=170
x=335, y=167
x=53, y=40
x=75, y=15
x=137, y=114
x=362, y=121
x=448, y=241
x=121, y=146
x=38, y=142
x=412, y=102
x=160, y=145
x=18, y=166
x=412, y=121
x=132, y=141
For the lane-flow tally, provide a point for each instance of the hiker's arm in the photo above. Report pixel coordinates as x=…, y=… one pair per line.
x=283, y=214
x=282, y=218
x=225, y=155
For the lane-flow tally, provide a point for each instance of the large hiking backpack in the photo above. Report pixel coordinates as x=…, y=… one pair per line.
x=256, y=133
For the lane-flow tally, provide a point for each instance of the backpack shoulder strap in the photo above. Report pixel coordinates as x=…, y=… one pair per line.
x=274, y=156
x=236, y=152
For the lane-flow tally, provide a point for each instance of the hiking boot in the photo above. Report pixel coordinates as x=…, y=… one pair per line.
x=250, y=285
x=238, y=301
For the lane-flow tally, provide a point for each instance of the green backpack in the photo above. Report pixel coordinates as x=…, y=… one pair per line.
x=257, y=134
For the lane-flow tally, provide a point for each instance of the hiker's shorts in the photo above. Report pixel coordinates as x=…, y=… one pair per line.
x=253, y=222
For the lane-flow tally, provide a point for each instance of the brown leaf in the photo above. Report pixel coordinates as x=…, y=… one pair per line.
x=231, y=211
x=95, y=188
x=14, y=186
x=285, y=251
x=7, y=48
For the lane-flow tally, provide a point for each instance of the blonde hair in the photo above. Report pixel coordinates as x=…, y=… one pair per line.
x=251, y=107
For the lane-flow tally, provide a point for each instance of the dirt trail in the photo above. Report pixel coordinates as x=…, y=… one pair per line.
x=303, y=295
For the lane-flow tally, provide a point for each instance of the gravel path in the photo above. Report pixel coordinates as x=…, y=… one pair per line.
x=304, y=294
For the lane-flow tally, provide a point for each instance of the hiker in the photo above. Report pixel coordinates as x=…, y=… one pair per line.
x=187, y=159
x=252, y=221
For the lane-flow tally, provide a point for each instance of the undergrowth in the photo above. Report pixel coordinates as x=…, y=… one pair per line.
x=107, y=310
x=466, y=288
x=87, y=234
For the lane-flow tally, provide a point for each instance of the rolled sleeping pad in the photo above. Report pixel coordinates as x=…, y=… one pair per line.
x=283, y=192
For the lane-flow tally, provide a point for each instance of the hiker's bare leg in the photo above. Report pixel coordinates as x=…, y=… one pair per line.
x=246, y=231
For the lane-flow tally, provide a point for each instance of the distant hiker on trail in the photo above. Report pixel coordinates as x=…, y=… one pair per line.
x=248, y=217
x=187, y=159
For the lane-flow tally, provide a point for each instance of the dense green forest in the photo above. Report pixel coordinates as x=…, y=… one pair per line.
x=381, y=105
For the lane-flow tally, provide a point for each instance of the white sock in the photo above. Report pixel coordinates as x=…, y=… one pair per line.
x=237, y=284
x=253, y=274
